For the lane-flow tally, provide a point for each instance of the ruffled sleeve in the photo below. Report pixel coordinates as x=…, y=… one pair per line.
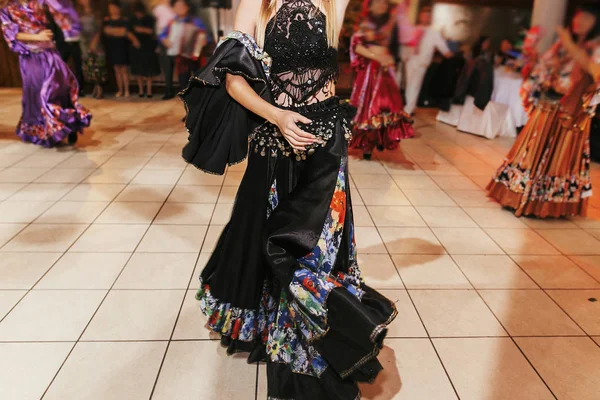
x=10, y=30
x=218, y=126
x=66, y=17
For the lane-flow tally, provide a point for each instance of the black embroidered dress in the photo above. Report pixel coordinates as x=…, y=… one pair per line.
x=283, y=283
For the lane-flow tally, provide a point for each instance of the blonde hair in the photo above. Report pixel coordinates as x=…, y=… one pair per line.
x=268, y=8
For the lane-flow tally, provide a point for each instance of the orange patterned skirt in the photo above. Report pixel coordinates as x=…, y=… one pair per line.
x=547, y=171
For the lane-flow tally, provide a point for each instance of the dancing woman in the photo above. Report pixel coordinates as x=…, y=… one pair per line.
x=283, y=282
x=380, y=121
x=547, y=171
x=51, y=109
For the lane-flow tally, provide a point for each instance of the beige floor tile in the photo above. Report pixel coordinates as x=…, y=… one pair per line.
x=192, y=176
x=383, y=197
x=521, y=241
x=173, y=238
x=227, y=194
x=66, y=175
x=21, y=175
x=556, y=272
x=212, y=236
x=529, y=313
x=9, y=160
x=161, y=162
x=490, y=369
x=191, y=324
x=157, y=271
x=50, y=315
x=149, y=176
x=431, y=198
x=471, y=198
x=8, y=190
x=368, y=241
x=202, y=260
x=410, y=241
x=85, y=160
x=359, y=166
x=98, y=371
x=94, y=192
x=8, y=231
x=129, y=213
x=407, y=323
x=440, y=169
x=550, y=223
x=28, y=368
x=23, y=270
x=185, y=214
x=430, y=272
x=46, y=238
x=22, y=212
x=406, y=182
x=233, y=178
x=84, y=271
x=412, y=371
x=361, y=216
x=597, y=340
x=8, y=299
x=455, y=183
x=581, y=305
x=222, y=377
x=194, y=194
x=371, y=181
x=145, y=193
x=493, y=272
x=466, y=241
x=446, y=217
x=565, y=365
x=136, y=315
x=591, y=264
x=495, y=218
x=41, y=192
x=572, y=242
x=222, y=214
x=125, y=162
x=104, y=175
x=395, y=216
x=452, y=313
x=117, y=238
x=379, y=271
x=72, y=212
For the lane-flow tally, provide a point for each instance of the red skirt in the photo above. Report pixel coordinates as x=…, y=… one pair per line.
x=380, y=120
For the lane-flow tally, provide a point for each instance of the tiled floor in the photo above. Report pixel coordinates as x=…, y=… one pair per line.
x=101, y=246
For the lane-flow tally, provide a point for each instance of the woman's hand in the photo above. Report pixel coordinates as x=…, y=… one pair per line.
x=287, y=121
x=387, y=61
x=45, y=36
x=565, y=37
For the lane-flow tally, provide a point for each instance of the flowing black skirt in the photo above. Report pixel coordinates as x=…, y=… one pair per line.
x=283, y=283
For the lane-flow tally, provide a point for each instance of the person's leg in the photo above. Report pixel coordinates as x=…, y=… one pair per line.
x=119, y=81
x=78, y=65
x=140, y=82
x=125, y=78
x=169, y=68
x=415, y=73
x=149, y=87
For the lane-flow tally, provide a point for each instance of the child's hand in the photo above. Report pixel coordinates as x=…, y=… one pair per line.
x=167, y=43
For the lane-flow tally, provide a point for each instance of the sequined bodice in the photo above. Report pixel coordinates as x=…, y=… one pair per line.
x=304, y=64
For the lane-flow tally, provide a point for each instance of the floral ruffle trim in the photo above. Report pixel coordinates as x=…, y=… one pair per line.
x=241, y=324
x=57, y=126
x=546, y=188
x=383, y=120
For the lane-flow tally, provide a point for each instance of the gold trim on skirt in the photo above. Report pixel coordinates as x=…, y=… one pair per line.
x=547, y=171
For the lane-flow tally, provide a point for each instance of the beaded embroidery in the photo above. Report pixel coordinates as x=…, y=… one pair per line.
x=253, y=48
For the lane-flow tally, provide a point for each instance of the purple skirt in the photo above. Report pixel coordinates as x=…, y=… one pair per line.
x=51, y=109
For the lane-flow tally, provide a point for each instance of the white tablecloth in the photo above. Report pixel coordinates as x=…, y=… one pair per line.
x=506, y=91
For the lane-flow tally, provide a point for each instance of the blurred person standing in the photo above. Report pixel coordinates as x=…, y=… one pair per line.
x=163, y=15
x=144, y=60
x=416, y=67
x=184, y=38
x=92, y=48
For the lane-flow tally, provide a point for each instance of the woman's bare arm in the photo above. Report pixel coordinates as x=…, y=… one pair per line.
x=239, y=89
